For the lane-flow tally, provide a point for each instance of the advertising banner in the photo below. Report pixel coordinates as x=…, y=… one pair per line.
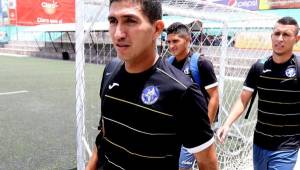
x=36, y=12
x=224, y=2
x=244, y=4
x=260, y=40
x=12, y=11
x=1, y=9
x=4, y=11
x=279, y=4
x=247, y=4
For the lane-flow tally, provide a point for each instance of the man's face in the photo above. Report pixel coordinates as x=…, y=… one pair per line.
x=131, y=32
x=283, y=39
x=178, y=44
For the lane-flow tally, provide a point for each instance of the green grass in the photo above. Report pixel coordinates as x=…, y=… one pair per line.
x=37, y=128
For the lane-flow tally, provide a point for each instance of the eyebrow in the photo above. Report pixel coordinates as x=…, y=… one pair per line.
x=110, y=17
x=283, y=31
x=123, y=16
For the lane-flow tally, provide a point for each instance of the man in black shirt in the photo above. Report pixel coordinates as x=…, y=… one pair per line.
x=179, y=40
x=277, y=131
x=147, y=105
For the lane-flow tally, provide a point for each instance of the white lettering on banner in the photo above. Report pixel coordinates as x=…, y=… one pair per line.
x=42, y=20
x=49, y=21
x=52, y=5
x=247, y=4
x=49, y=8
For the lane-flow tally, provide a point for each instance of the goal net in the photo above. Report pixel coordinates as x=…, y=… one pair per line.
x=233, y=39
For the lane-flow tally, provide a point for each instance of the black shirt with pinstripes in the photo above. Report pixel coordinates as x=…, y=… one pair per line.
x=207, y=75
x=148, y=116
x=278, y=124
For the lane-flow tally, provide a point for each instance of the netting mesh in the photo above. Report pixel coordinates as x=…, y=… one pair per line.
x=233, y=39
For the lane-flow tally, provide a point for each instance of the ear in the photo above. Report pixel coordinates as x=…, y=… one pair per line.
x=297, y=38
x=189, y=39
x=159, y=27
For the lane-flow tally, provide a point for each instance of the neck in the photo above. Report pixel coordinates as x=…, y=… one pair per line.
x=279, y=59
x=142, y=63
x=182, y=56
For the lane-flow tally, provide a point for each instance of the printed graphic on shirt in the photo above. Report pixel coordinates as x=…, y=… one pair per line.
x=150, y=95
x=113, y=85
x=186, y=71
x=290, y=72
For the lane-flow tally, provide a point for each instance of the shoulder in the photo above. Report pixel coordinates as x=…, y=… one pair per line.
x=205, y=64
x=204, y=61
x=258, y=66
x=173, y=75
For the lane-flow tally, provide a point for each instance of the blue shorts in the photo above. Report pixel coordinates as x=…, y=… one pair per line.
x=274, y=160
x=186, y=159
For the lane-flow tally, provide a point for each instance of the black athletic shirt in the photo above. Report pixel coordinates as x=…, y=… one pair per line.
x=278, y=124
x=208, y=77
x=148, y=116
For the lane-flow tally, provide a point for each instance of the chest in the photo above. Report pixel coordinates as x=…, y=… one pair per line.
x=279, y=77
x=142, y=93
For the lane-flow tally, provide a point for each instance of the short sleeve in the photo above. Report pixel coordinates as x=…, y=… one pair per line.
x=193, y=124
x=251, y=79
x=207, y=74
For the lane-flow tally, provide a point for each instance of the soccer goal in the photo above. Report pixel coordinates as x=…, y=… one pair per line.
x=233, y=39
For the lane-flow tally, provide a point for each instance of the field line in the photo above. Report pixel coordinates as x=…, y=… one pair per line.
x=13, y=92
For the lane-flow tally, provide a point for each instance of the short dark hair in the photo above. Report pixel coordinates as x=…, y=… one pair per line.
x=178, y=28
x=289, y=21
x=151, y=8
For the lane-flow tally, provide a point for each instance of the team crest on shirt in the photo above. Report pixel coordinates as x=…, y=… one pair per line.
x=150, y=95
x=290, y=72
x=186, y=71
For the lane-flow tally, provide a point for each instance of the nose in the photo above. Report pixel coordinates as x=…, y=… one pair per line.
x=119, y=32
x=280, y=37
x=171, y=45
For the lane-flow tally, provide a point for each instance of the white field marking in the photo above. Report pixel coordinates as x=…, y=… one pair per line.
x=13, y=55
x=13, y=92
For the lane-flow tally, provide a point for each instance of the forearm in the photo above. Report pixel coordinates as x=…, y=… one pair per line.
x=235, y=113
x=213, y=103
x=239, y=107
x=213, y=108
x=93, y=162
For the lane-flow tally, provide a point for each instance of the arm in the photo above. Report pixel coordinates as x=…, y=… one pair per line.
x=95, y=158
x=236, y=111
x=213, y=103
x=92, y=164
x=207, y=158
x=210, y=84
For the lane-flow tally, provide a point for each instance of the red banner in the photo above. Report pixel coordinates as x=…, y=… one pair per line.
x=35, y=12
x=278, y=4
x=12, y=11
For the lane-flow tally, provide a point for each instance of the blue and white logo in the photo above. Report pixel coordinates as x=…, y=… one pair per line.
x=150, y=95
x=290, y=72
x=186, y=71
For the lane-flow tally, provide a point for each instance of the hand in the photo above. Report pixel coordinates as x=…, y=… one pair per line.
x=93, y=162
x=222, y=133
